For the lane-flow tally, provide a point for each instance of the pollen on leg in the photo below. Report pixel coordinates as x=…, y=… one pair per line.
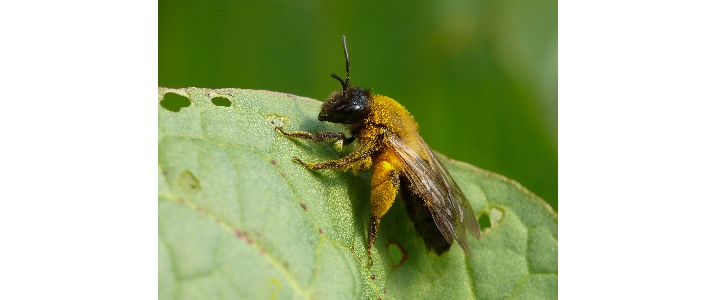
x=383, y=188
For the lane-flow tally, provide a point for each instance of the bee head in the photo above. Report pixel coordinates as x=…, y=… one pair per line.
x=348, y=105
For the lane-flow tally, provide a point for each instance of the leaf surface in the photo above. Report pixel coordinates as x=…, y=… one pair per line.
x=238, y=219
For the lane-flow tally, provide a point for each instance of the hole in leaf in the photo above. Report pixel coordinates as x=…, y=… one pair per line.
x=188, y=182
x=174, y=102
x=396, y=254
x=491, y=217
x=484, y=222
x=221, y=101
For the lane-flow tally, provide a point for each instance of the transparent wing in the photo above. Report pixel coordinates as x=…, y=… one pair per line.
x=428, y=178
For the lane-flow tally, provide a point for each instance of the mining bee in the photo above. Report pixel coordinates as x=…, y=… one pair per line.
x=387, y=139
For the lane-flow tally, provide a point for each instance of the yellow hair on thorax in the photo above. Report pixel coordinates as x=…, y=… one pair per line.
x=387, y=112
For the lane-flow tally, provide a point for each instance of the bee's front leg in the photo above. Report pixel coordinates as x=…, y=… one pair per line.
x=322, y=136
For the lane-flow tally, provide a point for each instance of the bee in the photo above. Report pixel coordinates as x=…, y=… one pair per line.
x=388, y=140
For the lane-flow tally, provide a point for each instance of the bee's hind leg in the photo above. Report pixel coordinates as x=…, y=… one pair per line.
x=384, y=187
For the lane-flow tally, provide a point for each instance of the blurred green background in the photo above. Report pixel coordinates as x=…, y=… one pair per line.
x=480, y=77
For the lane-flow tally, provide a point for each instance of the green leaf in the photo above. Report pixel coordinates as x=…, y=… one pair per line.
x=238, y=219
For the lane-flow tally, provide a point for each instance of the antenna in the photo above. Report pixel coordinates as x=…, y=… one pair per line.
x=346, y=55
x=345, y=83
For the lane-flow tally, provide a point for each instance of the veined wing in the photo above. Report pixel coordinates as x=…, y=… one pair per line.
x=429, y=178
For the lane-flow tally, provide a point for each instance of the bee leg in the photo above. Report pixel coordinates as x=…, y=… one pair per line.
x=355, y=159
x=384, y=187
x=322, y=136
x=373, y=228
x=360, y=159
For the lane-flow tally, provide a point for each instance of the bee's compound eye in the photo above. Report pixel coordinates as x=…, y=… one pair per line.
x=347, y=111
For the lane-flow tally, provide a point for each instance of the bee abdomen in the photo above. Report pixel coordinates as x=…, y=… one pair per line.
x=423, y=221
